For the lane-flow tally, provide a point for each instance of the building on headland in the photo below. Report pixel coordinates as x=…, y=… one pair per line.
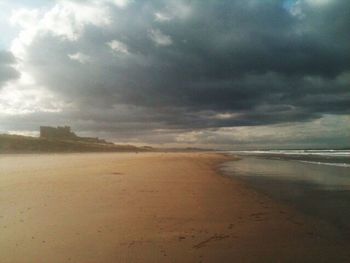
x=65, y=133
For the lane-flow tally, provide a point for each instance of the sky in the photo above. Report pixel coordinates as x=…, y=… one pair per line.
x=224, y=74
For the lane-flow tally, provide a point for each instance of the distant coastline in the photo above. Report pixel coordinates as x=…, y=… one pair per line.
x=63, y=140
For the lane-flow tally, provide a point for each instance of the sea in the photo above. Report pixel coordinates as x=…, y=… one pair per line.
x=316, y=182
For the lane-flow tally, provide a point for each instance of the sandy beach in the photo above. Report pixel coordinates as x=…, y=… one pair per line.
x=148, y=207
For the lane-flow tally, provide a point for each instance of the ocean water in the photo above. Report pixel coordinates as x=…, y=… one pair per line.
x=315, y=182
x=324, y=157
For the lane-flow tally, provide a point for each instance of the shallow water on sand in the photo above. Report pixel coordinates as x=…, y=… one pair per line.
x=315, y=189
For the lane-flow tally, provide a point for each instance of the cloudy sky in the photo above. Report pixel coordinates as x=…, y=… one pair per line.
x=228, y=74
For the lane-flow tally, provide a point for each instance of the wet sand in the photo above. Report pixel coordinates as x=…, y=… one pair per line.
x=149, y=207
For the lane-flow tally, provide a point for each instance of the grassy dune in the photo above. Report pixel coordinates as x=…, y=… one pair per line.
x=26, y=144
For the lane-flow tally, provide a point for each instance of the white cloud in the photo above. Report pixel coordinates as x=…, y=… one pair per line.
x=226, y=116
x=189, y=137
x=180, y=9
x=65, y=19
x=80, y=57
x=162, y=17
x=27, y=20
x=23, y=133
x=175, y=9
x=120, y=3
x=118, y=46
x=318, y=2
x=159, y=38
x=24, y=96
x=299, y=135
x=24, y=18
x=297, y=9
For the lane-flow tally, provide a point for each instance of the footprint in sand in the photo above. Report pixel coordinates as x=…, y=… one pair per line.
x=260, y=216
x=210, y=239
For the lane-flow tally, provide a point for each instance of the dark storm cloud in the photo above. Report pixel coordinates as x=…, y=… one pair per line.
x=252, y=59
x=7, y=72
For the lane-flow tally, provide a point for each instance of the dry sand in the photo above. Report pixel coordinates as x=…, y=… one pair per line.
x=149, y=207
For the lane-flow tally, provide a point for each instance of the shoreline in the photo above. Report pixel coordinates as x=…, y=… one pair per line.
x=315, y=192
x=148, y=207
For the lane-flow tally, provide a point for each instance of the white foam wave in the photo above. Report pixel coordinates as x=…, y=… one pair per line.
x=330, y=153
x=346, y=165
